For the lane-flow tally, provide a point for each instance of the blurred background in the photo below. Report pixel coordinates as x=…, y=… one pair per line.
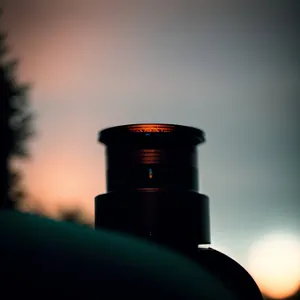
x=230, y=68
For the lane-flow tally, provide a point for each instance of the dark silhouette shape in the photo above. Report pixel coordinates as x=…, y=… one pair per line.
x=72, y=215
x=152, y=184
x=295, y=297
x=39, y=257
x=15, y=128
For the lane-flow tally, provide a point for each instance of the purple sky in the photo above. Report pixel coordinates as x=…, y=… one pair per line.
x=231, y=70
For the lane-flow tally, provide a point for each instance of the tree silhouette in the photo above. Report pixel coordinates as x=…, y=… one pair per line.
x=72, y=216
x=16, y=128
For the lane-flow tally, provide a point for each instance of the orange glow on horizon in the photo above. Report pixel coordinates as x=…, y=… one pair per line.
x=274, y=263
x=58, y=182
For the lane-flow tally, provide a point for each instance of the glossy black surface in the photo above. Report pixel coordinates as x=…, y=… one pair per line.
x=152, y=184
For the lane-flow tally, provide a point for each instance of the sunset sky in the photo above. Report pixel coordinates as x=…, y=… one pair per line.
x=230, y=69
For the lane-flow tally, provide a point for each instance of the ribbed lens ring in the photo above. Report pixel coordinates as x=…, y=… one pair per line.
x=151, y=157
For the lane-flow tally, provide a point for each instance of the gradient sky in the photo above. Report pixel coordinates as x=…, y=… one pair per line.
x=230, y=69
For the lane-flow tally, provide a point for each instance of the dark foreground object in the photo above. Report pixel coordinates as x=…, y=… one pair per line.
x=41, y=257
x=152, y=193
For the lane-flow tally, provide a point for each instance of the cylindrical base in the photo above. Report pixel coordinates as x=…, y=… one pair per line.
x=176, y=219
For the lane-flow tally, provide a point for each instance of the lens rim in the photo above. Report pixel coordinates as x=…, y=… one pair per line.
x=143, y=133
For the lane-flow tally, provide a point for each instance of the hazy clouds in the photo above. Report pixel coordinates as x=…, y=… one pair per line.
x=231, y=69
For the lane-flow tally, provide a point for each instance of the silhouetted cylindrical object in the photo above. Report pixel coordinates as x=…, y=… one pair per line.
x=151, y=156
x=152, y=184
x=152, y=192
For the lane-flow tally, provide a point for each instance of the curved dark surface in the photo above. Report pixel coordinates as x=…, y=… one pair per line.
x=231, y=273
x=41, y=257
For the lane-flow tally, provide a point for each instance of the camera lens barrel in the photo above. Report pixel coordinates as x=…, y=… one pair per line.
x=152, y=192
x=151, y=157
x=152, y=184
